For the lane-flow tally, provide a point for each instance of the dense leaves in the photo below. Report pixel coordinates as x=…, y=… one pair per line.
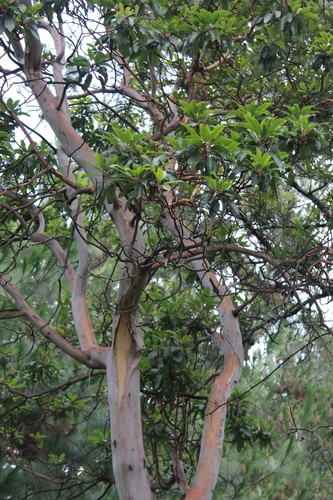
x=227, y=108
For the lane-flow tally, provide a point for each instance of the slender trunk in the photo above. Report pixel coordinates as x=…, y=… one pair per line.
x=123, y=358
x=213, y=433
x=128, y=456
x=230, y=343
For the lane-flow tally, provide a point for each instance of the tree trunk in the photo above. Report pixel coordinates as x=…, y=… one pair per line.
x=123, y=359
x=128, y=456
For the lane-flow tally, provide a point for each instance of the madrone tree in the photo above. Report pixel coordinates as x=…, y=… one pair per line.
x=165, y=177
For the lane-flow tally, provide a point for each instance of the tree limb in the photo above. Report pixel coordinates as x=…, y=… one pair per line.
x=232, y=348
x=38, y=236
x=80, y=309
x=93, y=358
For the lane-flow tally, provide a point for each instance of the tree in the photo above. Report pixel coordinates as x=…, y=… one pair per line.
x=186, y=196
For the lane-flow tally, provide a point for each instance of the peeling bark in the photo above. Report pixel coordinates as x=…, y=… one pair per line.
x=122, y=362
x=128, y=457
x=122, y=359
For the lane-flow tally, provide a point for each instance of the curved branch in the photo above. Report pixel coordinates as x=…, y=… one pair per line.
x=319, y=204
x=80, y=309
x=50, y=390
x=76, y=281
x=195, y=251
x=71, y=142
x=40, y=237
x=145, y=102
x=232, y=348
x=48, y=167
x=94, y=358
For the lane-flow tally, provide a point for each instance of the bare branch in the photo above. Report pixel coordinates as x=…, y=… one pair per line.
x=51, y=390
x=80, y=310
x=43, y=160
x=38, y=236
x=322, y=207
x=213, y=431
x=93, y=358
x=179, y=471
x=71, y=142
x=144, y=101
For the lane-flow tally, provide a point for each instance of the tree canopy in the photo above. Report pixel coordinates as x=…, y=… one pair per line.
x=166, y=213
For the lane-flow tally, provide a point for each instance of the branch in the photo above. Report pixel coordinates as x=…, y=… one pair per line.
x=145, y=102
x=194, y=251
x=48, y=167
x=10, y=314
x=178, y=467
x=231, y=346
x=222, y=59
x=44, y=477
x=80, y=309
x=173, y=125
x=71, y=142
x=287, y=358
x=322, y=207
x=40, y=237
x=106, y=106
x=93, y=358
x=46, y=392
x=58, y=38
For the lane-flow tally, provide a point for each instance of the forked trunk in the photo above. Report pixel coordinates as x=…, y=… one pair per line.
x=128, y=456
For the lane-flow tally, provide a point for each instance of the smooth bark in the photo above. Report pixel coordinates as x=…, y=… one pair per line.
x=122, y=359
x=123, y=376
x=230, y=344
x=128, y=457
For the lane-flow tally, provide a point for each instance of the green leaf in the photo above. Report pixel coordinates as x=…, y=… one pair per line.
x=101, y=57
x=80, y=61
x=194, y=137
x=87, y=81
x=33, y=9
x=9, y=23
x=253, y=125
x=159, y=174
x=101, y=160
x=205, y=133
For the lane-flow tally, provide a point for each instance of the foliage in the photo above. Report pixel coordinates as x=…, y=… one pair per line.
x=226, y=110
x=298, y=417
